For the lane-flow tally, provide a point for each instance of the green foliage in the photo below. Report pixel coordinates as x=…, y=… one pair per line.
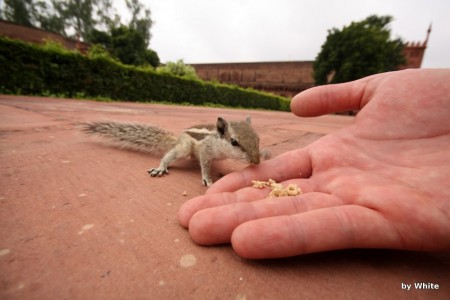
x=358, y=50
x=94, y=21
x=54, y=46
x=151, y=57
x=127, y=45
x=125, y=42
x=33, y=70
x=98, y=51
x=178, y=68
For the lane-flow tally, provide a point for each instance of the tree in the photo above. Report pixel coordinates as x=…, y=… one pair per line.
x=93, y=21
x=51, y=17
x=79, y=17
x=152, y=58
x=140, y=23
x=19, y=11
x=69, y=18
x=358, y=50
x=127, y=45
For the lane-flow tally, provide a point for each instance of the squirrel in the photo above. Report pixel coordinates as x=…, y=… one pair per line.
x=234, y=139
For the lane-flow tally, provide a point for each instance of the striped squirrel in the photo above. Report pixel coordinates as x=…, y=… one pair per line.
x=234, y=139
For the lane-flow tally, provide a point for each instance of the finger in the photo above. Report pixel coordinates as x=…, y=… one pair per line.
x=206, y=201
x=330, y=98
x=248, y=194
x=319, y=230
x=292, y=164
x=215, y=225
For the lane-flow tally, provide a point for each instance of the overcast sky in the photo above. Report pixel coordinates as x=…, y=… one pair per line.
x=213, y=31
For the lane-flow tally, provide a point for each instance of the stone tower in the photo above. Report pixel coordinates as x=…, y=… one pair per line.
x=414, y=52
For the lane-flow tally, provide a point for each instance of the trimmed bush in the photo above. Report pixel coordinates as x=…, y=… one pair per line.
x=35, y=70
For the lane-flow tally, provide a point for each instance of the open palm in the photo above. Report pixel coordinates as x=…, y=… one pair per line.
x=382, y=182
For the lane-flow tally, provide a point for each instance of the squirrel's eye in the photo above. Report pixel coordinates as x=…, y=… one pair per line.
x=234, y=142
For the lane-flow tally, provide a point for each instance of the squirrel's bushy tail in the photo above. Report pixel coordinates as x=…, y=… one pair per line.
x=140, y=137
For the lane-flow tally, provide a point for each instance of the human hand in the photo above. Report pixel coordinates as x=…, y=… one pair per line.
x=382, y=182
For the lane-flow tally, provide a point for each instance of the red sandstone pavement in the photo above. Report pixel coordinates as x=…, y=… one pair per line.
x=83, y=220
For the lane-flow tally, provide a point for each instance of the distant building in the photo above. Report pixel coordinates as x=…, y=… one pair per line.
x=285, y=78
x=414, y=52
x=39, y=36
x=281, y=78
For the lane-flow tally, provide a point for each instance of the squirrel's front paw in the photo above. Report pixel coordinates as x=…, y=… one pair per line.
x=207, y=182
x=157, y=172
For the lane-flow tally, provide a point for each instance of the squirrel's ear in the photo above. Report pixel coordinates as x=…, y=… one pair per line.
x=248, y=119
x=222, y=126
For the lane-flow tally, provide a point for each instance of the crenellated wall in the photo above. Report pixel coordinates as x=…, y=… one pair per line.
x=38, y=36
x=282, y=78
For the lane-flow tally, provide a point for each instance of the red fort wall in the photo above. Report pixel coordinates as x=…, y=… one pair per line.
x=282, y=78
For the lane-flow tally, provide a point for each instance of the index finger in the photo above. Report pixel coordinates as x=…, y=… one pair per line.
x=331, y=98
x=289, y=165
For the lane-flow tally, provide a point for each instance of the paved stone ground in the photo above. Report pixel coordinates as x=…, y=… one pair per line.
x=80, y=219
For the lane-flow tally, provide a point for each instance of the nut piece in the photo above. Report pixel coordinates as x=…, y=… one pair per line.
x=293, y=190
x=259, y=184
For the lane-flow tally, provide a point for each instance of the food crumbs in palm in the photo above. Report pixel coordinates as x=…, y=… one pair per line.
x=277, y=188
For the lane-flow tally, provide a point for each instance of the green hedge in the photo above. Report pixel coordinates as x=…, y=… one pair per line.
x=35, y=70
